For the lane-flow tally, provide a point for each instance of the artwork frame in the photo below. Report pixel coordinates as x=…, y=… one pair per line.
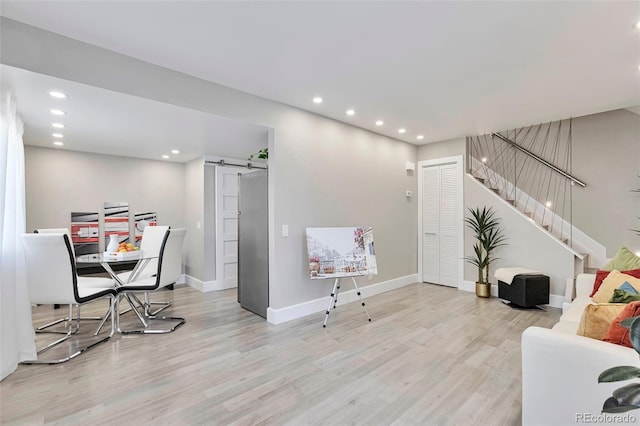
x=336, y=252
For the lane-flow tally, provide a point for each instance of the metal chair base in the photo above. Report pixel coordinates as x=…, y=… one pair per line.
x=68, y=357
x=70, y=332
x=149, y=330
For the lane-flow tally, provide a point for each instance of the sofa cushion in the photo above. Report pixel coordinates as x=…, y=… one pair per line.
x=597, y=318
x=618, y=334
x=566, y=327
x=614, y=280
x=601, y=275
x=576, y=308
x=623, y=260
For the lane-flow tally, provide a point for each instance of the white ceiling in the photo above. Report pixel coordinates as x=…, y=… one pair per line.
x=443, y=69
x=107, y=122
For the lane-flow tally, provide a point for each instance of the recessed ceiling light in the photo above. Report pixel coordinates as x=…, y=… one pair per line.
x=58, y=143
x=402, y=130
x=57, y=112
x=58, y=95
x=484, y=159
x=165, y=156
x=638, y=25
x=548, y=204
x=420, y=137
x=175, y=151
x=57, y=135
x=317, y=100
x=58, y=125
x=350, y=112
x=379, y=123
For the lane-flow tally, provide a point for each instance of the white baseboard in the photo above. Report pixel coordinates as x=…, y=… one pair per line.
x=221, y=286
x=203, y=286
x=555, y=300
x=288, y=313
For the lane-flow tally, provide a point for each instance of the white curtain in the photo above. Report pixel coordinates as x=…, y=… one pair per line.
x=17, y=339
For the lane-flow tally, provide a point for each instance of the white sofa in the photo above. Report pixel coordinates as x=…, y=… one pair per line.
x=560, y=369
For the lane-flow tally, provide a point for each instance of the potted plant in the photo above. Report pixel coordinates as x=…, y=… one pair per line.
x=489, y=236
x=263, y=154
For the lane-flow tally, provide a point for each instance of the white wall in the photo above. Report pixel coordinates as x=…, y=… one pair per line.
x=606, y=155
x=59, y=181
x=194, y=213
x=321, y=172
x=526, y=247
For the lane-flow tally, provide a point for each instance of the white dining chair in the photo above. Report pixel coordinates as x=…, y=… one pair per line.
x=152, y=237
x=52, y=279
x=169, y=268
x=83, y=282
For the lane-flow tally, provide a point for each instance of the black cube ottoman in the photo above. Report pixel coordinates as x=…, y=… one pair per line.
x=525, y=290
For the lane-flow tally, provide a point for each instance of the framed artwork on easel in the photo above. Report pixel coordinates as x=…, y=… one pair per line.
x=336, y=253
x=341, y=252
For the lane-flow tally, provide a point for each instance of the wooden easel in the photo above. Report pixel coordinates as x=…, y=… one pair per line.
x=334, y=299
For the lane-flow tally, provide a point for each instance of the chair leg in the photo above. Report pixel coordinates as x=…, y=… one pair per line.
x=68, y=319
x=148, y=305
x=149, y=317
x=77, y=352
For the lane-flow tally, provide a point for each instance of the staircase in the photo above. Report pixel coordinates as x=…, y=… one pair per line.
x=529, y=169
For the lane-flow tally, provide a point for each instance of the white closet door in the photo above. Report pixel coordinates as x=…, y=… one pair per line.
x=227, y=227
x=448, y=225
x=430, y=224
x=440, y=195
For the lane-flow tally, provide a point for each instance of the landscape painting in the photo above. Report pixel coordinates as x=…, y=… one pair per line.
x=341, y=252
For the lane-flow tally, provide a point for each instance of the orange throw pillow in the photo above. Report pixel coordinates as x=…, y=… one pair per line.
x=618, y=334
x=597, y=319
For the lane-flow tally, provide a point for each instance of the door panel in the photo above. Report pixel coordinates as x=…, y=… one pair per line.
x=440, y=225
x=227, y=226
x=253, y=246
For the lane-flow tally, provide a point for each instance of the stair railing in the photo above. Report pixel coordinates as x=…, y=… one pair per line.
x=530, y=168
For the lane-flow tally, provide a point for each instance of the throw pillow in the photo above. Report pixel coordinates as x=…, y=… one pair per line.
x=597, y=319
x=601, y=275
x=627, y=287
x=618, y=334
x=614, y=280
x=623, y=260
x=621, y=296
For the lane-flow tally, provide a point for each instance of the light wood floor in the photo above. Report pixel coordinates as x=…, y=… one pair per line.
x=431, y=356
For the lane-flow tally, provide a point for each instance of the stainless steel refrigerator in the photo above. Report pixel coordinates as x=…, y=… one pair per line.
x=253, y=242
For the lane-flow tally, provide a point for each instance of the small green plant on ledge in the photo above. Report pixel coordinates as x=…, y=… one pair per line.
x=626, y=398
x=263, y=154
